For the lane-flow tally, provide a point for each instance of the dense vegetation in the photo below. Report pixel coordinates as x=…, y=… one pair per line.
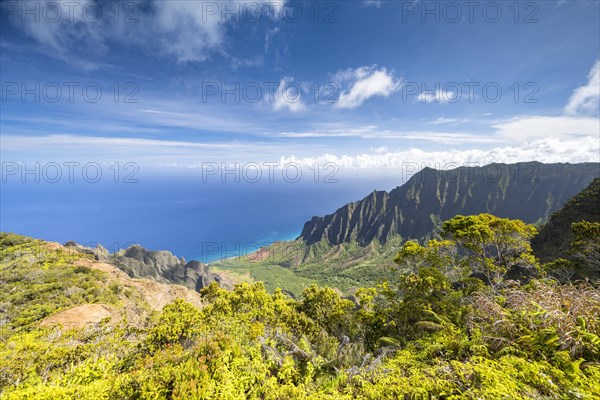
x=354, y=246
x=565, y=240
x=294, y=265
x=450, y=324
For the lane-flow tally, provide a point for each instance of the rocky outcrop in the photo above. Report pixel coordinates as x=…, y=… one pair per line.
x=99, y=251
x=161, y=266
x=527, y=191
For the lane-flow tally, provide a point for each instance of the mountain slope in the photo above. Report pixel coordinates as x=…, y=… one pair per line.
x=44, y=282
x=555, y=237
x=526, y=191
x=354, y=246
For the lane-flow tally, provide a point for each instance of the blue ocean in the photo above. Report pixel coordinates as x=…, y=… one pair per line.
x=175, y=211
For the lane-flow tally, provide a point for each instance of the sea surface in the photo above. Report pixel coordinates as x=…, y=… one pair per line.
x=175, y=211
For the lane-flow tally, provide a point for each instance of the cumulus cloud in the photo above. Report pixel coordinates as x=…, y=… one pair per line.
x=585, y=99
x=549, y=150
x=363, y=83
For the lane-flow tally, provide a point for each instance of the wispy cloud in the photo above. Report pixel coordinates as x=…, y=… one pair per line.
x=288, y=96
x=441, y=121
x=74, y=39
x=372, y=3
x=269, y=37
x=437, y=96
x=534, y=127
x=152, y=152
x=585, y=99
x=12, y=142
x=375, y=132
x=580, y=118
x=186, y=31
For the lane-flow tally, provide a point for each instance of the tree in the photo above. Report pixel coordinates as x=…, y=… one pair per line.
x=327, y=308
x=442, y=255
x=493, y=245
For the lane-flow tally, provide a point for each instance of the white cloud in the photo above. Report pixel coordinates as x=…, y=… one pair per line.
x=585, y=99
x=375, y=132
x=381, y=149
x=62, y=31
x=188, y=31
x=288, y=96
x=269, y=37
x=152, y=152
x=438, y=96
x=10, y=142
x=361, y=132
x=531, y=127
x=549, y=150
x=456, y=138
x=441, y=121
x=580, y=118
x=374, y=3
x=364, y=83
x=189, y=154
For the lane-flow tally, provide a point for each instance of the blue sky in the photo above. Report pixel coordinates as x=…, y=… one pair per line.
x=365, y=84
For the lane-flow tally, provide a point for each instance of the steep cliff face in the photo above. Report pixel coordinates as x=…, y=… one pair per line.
x=555, y=237
x=527, y=191
x=354, y=221
x=161, y=266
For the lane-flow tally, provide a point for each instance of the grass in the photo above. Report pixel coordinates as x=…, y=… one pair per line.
x=273, y=276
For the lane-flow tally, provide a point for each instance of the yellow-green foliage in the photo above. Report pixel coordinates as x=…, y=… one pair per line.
x=38, y=280
x=434, y=333
x=494, y=244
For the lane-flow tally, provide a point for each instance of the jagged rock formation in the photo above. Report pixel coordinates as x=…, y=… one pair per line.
x=99, y=251
x=161, y=266
x=526, y=191
x=555, y=237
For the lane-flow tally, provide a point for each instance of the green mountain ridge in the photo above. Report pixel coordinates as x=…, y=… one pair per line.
x=354, y=246
x=526, y=191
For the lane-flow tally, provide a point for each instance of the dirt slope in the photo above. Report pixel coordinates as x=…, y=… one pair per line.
x=147, y=296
